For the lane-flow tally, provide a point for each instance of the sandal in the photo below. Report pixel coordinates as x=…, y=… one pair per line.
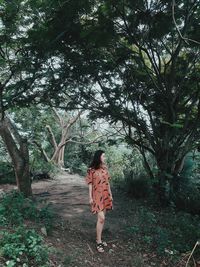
x=100, y=247
x=104, y=243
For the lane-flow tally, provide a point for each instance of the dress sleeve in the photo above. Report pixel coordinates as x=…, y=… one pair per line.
x=89, y=177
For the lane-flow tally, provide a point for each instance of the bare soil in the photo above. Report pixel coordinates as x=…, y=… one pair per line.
x=73, y=237
x=74, y=234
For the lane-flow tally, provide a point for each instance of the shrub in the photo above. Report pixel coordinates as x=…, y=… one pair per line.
x=23, y=246
x=41, y=166
x=7, y=174
x=167, y=231
x=15, y=208
x=187, y=197
x=138, y=187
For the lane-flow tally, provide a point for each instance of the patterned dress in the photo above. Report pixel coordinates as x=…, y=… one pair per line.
x=100, y=189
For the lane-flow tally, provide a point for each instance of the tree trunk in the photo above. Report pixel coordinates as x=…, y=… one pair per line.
x=58, y=157
x=22, y=171
x=146, y=164
x=61, y=157
x=176, y=181
x=169, y=175
x=162, y=188
x=18, y=150
x=164, y=176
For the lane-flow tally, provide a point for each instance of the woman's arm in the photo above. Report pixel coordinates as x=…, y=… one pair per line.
x=109, y=190
x=90, y=194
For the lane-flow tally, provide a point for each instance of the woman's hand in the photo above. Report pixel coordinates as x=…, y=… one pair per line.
x=91, y=200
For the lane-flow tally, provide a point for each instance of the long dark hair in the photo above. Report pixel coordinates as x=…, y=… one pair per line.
x=96, y=162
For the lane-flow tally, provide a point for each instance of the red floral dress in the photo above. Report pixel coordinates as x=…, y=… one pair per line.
x=100, y=189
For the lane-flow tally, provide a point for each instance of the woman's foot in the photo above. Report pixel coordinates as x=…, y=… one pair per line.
x=100, y=247
x=104, y=243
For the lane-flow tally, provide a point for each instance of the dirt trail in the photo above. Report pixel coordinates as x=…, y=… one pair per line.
x=75, y=234
x=67, y=194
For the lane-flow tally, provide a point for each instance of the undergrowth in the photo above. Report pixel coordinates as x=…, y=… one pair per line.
x=23, y=247
x=15, y=208
x=20, y=243
x=167, y=232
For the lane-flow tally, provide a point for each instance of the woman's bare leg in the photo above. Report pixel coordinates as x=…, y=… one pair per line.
x=100, y=224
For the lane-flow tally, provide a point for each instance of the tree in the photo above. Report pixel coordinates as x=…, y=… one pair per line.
x=52, y=130
x=12, y=61
x=156, y=89
x=65, y=123
x=23, y=75
x=136, y=62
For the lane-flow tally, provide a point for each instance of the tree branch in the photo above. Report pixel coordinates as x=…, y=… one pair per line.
x=73, y=120
x=58, y=116
x=42, y=151
x=186, y=40
x=52, y=137
x=15, y=132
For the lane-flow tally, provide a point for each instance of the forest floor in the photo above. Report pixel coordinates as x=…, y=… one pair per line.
x=74, y=233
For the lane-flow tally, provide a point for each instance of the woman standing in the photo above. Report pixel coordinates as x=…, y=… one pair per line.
x=100, y=196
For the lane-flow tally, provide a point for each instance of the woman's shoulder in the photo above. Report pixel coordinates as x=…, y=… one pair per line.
x=90, y=170
x=104, y=167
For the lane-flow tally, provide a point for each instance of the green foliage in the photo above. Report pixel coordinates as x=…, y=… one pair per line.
x=32, y=122
x=136, y=181
x=7, y=174
x=19, y=245
x=23, y=246
x=167, y=232
x=138, y=187
x=115, y=158
x=187, y=196
x=142, y=81
x=15, y=208
x=75, y=158
x=39, y=165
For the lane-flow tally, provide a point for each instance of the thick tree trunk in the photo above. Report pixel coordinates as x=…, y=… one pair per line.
x=164, y=176
x=18, y=150
x=168, y=177
x=58, y=157
x=61, y=156
x=162, y=188
x=176, y=181
x=22, y=171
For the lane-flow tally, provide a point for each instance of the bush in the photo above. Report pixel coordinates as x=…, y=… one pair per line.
x=167, y=231
x=116, y=161
x=15, y=208
x=7, y=174
x=41, y=166
x=80, y=169
x=23, y=246
x=138, y=187
x=187, y=197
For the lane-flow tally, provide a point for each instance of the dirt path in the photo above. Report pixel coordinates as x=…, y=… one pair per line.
x=75, y=231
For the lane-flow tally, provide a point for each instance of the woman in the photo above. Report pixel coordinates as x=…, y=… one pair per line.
x=100, y=196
